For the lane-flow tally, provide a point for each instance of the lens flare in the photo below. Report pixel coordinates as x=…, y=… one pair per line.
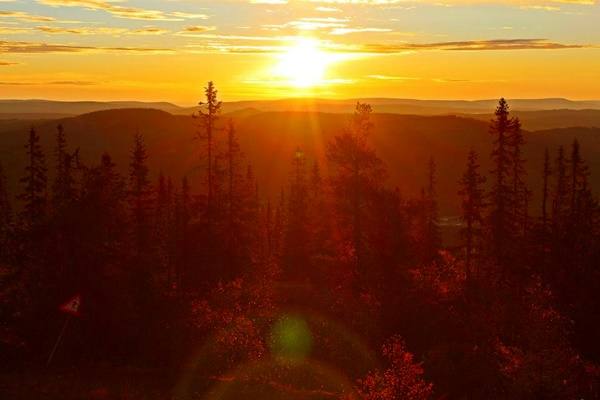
x=291, y=338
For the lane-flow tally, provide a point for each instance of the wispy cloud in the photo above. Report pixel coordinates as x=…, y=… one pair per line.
x=392, y=78
x=7, y=63
x=195, y=30
x=249, y=38
x=268, y=2
x=26, y=17
x=436, y=80
x=44, y=83
x=456, y=2
x=276, y=44
x=221, y=47
x=59, y=30
x=124, y=11
x=472, y=45
x=149, y=30
x=346, y=31
x=540, y=7
x=38, y=47
x=284, y=82
x=311, y=24
x=186, y=15
x=458, y=80
x=13, y=30
x=328, y=9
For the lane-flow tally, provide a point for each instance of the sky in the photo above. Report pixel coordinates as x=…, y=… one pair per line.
x=166, y=50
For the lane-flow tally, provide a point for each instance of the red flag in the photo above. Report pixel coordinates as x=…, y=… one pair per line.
x=72, y=306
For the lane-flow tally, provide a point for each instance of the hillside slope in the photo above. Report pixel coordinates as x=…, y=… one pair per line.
x=269, y=139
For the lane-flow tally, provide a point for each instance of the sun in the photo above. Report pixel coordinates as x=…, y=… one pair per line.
x=303, y=64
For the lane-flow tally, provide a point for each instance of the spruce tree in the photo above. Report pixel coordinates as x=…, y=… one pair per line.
x=139, y=196
x=102, y=214
x=500, y=219
x=5, y=215
x=319, y=216
x=234, y=178
x=63, y=185
x=472, y=207
x=160, y=209
x=297, y=234
x=161, y=228
x=279, y=224
x=113, y=196
x=519, y=193
x=357, y=174
x=433, y=239
x=560, y=220
x=561, y=190
x=578, y=175
x=546, y=173
x=252, y=208
x=582, y=208
x=208, y=118
x=544, y=228
x=182, y=240
x=34, y=183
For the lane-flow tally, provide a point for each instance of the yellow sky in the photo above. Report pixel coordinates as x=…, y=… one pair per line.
x=157, y=50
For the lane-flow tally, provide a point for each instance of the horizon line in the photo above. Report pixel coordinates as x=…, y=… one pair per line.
x=180, y=105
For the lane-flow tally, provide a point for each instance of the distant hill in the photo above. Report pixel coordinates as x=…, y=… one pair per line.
x=549, y=119
x=38, y=109
x=404, y=142
x=412, y=106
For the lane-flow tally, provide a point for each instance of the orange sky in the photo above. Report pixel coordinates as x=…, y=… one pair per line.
x=157, y=50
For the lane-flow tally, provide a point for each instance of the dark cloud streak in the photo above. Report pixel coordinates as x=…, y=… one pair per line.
x=57, y=83
x=38, y=48
x=495, y=44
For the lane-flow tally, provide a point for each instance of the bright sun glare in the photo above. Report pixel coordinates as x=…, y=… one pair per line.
x=303, y=64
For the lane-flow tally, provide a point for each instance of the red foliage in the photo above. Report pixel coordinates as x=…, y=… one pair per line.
x=442, y=280
x=237, y=313
x=403, y=379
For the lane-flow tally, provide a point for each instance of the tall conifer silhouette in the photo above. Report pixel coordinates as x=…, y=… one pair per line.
x=34, y=182
x=519, y=193
x=297, y=234
x=472, y=206
x=139, y=196
x=6, y=215
x=546, y=173
x=208, y=115
x=433, y=240
x=358, y=174
x=501, y=200
x=62, y=187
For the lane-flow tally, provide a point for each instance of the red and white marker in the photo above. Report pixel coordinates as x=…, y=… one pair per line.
x=72, y=306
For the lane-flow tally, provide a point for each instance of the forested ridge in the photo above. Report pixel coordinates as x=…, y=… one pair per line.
x=339, y=286
x=401, y=141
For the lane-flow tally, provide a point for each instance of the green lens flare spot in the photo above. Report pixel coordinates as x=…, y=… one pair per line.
x=291, y=338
